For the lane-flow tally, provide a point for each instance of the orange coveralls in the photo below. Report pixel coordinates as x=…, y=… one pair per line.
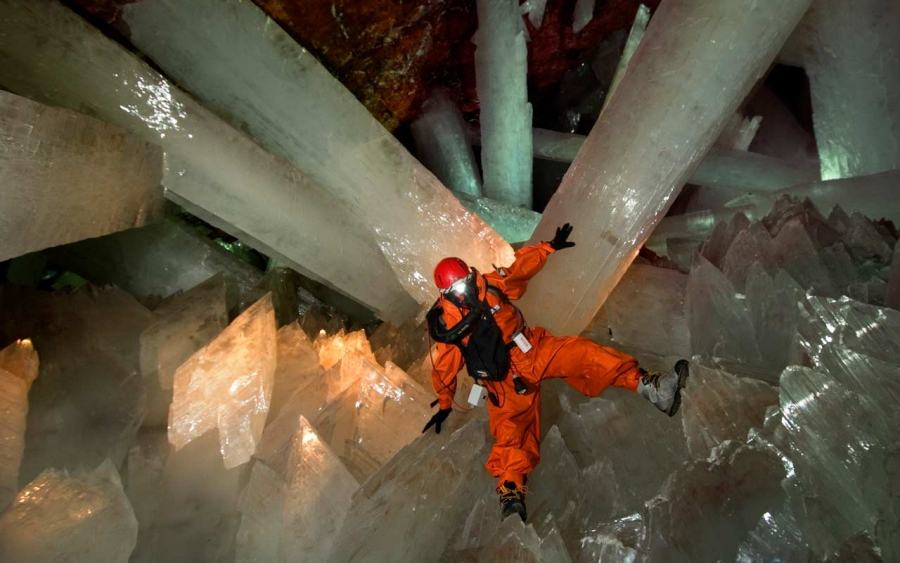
x=515, y=422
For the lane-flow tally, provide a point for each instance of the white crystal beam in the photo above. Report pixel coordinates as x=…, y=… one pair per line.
x=245, y=67
x=720, y=167
x=50, y=54
x=644, y=146
x=443, y=145
x=851, y=53
x=501, y=69
x=67, y=177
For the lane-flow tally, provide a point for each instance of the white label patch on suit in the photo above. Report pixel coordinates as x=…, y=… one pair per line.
x=477, y=395
x=522, y=342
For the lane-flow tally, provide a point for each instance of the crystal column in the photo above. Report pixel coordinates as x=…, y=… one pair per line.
x=50, y=54
x=501, y=70
x=66, y=177
x=246, y=68
x=651, y=136
x=443, y=145
x=852, y=56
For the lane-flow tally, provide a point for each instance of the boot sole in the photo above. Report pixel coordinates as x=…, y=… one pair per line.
x=683, y=369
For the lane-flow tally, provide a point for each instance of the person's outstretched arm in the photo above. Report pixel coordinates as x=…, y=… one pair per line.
x=529, y=261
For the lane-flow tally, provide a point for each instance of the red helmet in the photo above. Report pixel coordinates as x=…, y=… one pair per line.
x=448, y=271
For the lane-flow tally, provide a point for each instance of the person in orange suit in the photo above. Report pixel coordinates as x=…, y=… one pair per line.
x=476, y=325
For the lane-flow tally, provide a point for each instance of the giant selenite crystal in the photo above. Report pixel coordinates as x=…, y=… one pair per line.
x=288, y=101
x=620, y=185
x=68, y=177
x=157, y=261
x=851, y=54
x=184, y=323
x=416, y=495
x=645, y=313
x=374, y=417
x=501, y=70
x=295, y=501
x=212, y=169
x=719, y=406
x=67, y=518
x=228, y=385
x=18, y=369
x=442, y=143
x=86, y=405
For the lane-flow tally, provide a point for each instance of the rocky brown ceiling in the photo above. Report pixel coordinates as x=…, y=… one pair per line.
x=392, y=53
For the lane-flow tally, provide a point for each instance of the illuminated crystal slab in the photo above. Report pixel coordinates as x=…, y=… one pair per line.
x=228, y=385
x=184, y=323
x=501, y=70
x=420, y=489
x=58, y=516
x=848, y=52
x=18, y=369
x=295, y=501
x=213, y=169
x=87, y=404
x=333, y=348
x=374, y=417
x=297, y=366
x=720, y=406
x=443, y=145
x=620, y=186
x=188, y=501
x=69, y=177
x=707, y=507
x=645, y=313
x=291, y=104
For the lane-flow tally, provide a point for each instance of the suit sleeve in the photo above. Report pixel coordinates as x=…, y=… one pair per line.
x=529, y=261
x=448, y=361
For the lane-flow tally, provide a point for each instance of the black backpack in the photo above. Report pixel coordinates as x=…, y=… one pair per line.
x=486, y=354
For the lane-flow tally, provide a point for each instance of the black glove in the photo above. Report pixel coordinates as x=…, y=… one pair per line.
x=436, y=420
x=560, y=240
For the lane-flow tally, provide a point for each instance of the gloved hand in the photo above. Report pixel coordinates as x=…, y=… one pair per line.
x=561, y=241
x=436, y=420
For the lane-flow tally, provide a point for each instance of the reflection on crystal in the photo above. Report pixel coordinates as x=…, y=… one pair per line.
x=296, y=109
x=61, y=517
x=18, y=369
x=211, y=168
x=53, y=161
x=87, y=404
x=184, y=323
x=228, y=385
x=368, y=422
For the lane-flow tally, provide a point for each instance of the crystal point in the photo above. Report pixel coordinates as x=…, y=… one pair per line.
x=228, y=385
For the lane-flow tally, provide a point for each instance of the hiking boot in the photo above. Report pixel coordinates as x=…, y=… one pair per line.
x=664, y=389
x=512, y=500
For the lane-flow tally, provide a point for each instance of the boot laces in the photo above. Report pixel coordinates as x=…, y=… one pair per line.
x=652, y=378
x=511, y=493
